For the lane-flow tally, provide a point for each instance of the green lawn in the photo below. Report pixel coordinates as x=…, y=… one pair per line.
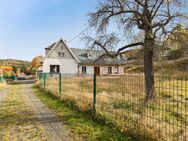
x=80, y=123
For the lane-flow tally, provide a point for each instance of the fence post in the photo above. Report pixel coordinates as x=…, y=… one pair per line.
x=60, y=84
x=39, y=76
x=44, y=79
x=94, y=93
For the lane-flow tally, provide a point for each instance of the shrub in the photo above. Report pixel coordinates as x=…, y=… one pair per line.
x=175, y=54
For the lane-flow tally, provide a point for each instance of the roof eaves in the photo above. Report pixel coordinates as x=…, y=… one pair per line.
x=53, y=47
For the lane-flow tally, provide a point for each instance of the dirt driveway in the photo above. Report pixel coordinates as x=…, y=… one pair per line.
x=24, y=117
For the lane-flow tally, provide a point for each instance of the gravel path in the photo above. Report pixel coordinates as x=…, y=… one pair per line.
x=54, y=127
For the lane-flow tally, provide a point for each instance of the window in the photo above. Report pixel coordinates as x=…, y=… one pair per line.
x=109, y=70
x=54, y=68
x=83, y=69
x=89, y=55
x=116, y=70
x=61, y=54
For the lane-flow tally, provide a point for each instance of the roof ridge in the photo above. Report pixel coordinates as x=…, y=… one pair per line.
x=78, y=48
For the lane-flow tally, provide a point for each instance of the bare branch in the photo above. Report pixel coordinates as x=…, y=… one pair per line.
x=156, y=10
x=115, y=54
x=139, y=3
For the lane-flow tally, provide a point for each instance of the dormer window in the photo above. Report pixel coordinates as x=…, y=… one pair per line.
x=61, y=54
x=89, y=55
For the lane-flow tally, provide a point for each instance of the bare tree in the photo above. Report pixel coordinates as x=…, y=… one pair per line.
x=156, y=18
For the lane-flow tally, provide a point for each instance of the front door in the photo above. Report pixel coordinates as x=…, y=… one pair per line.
x=97, y=70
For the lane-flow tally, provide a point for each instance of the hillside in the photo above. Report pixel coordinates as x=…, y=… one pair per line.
x=13, y=62
x=172, y=67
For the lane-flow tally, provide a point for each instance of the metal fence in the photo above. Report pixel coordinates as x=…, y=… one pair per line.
x=121, y=101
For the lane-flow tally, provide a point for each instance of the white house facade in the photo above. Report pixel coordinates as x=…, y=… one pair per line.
x=60, y=58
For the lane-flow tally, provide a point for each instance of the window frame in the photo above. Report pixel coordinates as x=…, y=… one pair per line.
x=84, y=69
x=109, y=70
x=61, y=54
x=116, y=70
x=52, y=68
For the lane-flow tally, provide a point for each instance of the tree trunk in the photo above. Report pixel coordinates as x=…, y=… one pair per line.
x=148, y=64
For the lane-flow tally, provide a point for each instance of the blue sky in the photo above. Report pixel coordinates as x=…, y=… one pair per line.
x=28, y=26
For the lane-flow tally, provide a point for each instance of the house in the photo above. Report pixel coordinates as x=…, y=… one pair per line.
x=59, y=58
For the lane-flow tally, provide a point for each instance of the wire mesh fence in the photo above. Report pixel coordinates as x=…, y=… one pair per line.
x=121, y=101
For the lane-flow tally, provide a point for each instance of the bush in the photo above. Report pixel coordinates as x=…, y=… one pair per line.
x=175, y=54
x=1, y=79
x=33, y=70
x=28, y=72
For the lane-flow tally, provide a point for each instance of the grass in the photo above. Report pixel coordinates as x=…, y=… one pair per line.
x=80, y=123
x=16, y=118
x=3, y=85
x=168, y=67
x=121, y=101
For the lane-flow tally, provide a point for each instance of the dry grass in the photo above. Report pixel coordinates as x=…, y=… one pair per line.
x=172, y=67
x=121, y=101
x=16, y=119
x=3, y=85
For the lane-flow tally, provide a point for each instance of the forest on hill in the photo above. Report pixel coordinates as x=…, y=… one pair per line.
x=14, y=62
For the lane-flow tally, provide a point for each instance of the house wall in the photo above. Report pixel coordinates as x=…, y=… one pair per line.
x=89, y=70
x=104, y=70
x=68, y=66
x=61, y=48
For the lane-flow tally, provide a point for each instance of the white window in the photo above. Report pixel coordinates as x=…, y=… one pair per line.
x=83, y=69
x=109, y=70
x=61, y=54
x=89, y=55
x=116, y=70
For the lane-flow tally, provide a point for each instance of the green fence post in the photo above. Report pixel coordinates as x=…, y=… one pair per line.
x=39, y=79
x=44, y=79
x=94, y=93
x=60, y=84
